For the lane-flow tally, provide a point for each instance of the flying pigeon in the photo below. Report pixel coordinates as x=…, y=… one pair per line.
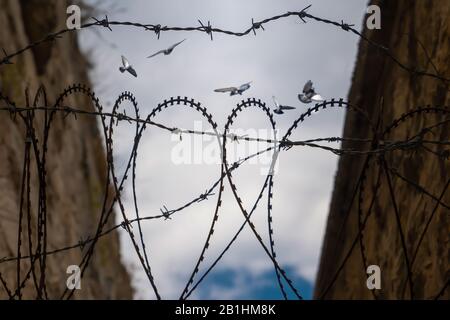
x=309, y=94
x=127, y=67
x=168, y=50
x=234, y=90
x=279, y=108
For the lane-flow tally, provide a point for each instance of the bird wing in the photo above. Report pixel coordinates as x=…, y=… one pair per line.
x=303, y=98
x=317, y=97
x=245, y=86
x=287, y=108
x=229, y=89
x=132, y=71
x=278, y=111
x=155, y=54
x=125, y=62
x=177, y=44
x=308, y=87
x=276, y=102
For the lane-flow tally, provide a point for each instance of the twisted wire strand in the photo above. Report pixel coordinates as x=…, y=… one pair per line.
x=209, y=30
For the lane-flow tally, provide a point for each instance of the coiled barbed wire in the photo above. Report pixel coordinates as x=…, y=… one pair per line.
x=375, y=150
x=378, y=149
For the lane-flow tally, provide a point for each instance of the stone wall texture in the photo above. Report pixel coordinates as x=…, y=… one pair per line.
x=76, y=165
x=408, y=28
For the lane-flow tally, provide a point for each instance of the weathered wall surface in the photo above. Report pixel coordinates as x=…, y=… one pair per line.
x=76, y=166
x=405, y=24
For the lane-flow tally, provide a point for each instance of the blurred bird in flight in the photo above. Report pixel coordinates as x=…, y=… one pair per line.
x=280, y=108
x=127, y=67
x=309, y=94
x=168, y=50
x=235, y=90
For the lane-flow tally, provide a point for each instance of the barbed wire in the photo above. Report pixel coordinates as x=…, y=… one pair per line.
x=360, y=188
x=303, y=14
x=377, y=149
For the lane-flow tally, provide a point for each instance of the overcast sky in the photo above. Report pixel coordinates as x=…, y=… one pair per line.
x=279, y=61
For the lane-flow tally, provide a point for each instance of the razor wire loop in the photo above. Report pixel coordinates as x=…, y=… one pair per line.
x=272, y=169
x=239, y=108
x=397, y=146
x=379, y=160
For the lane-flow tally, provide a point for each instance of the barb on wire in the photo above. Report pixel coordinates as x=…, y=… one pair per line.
x=178, y=132
x=82, y=242
x=204, y=196
x=125, y=224
x=6, y=58
x=166, y=213
x=346, y=26
x=208, y=28
x=301, y=14
x=104, y=22
x=256, y=25
x=157, y=30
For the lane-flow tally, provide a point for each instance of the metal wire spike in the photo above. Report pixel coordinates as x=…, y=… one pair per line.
x=6, y=59
x=104, y=22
